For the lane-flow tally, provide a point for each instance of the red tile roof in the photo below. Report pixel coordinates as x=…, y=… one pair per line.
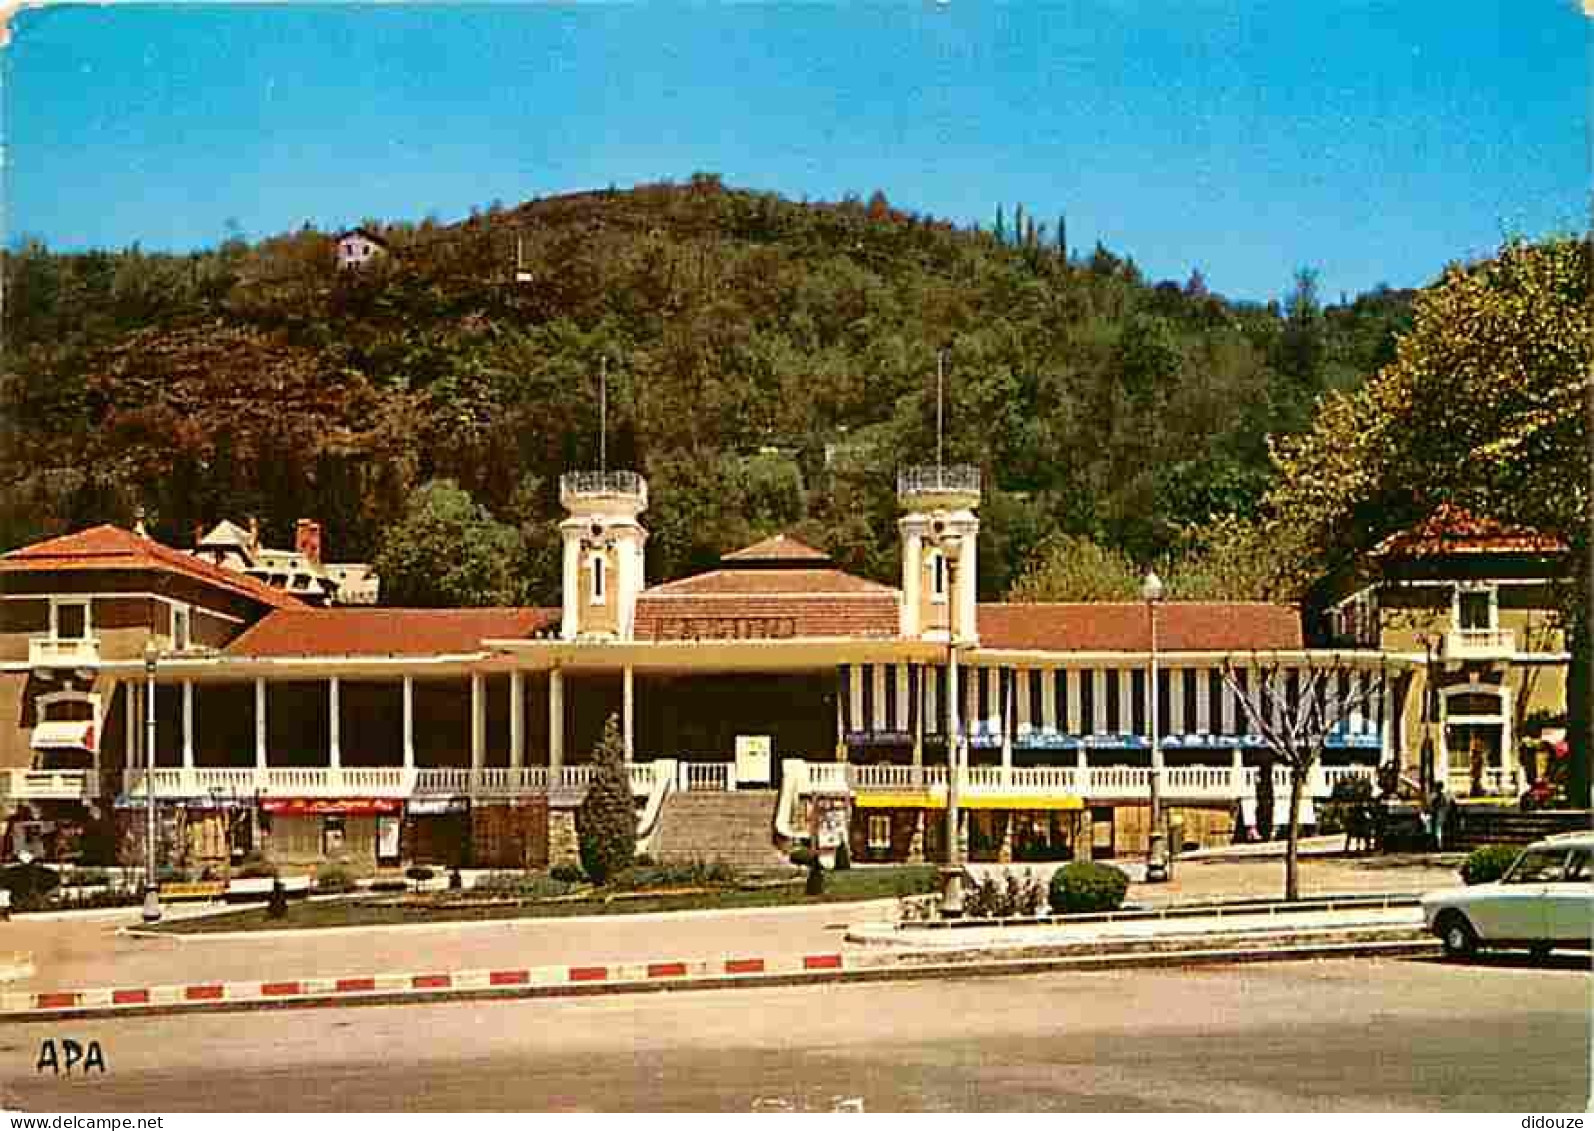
x=1452, y=530
x=770, y=582
x=767, y=616
x=1100, y=627
x=111, y=547
x=386, y=632
x=780, y=548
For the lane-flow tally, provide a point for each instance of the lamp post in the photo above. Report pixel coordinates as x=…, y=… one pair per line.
x=152, y=897
x=1151, y=591
x=951, y=547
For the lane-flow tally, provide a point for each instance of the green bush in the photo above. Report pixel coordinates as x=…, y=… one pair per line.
x=1012, y=896
x=568, y=873
x=521, y=885
x=255, y=866
x=843, y=856
x=606, y=821
x=1083, y=887
x=419, y=873
x=30, y=885
x=815, y=883
x=1488, y=863
x=802, y=857
x=697, y=873
x=334, y=878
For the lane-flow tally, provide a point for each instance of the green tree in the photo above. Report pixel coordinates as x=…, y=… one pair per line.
x=606, y=820
x=1070, y=568
x=1484, y=406
x=447, y=551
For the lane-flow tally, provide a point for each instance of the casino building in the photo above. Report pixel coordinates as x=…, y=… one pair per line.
x=809, y=702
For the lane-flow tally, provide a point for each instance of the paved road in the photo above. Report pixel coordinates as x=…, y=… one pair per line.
x=74, y=953
x=80, y=953
x=1334, y=1035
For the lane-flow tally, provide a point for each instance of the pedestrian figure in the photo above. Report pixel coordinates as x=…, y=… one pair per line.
x=1440, y=813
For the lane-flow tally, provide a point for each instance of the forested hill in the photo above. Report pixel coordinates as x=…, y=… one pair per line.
x=771, y=364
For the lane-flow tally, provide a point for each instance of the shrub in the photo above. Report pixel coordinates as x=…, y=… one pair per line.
x=522, y=885
x=1012, y=896
x=388, y=885
x=803, y=857
x=30, y=885
x=696, y=873
x=815, y=884
x=88, y=878
x=1488, y=863
x=606, y=821
x=1083, y=887
x=255, y=866
x=419, y=873
x=568, y=873
x=334, y=878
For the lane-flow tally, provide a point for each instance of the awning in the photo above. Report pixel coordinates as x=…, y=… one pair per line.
x=59, y=735
x=1046, y=801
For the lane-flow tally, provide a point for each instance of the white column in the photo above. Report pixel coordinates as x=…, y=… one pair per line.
x=628, y=711
x=1237, y=774
x=1098, y=701
x=556, y=722
x=1011, y=686
x=409, y=722
x=335, y=752
x=912, y=567
x=260, y=725
x=1082, y=770
x=517, y=728
x=188, y=725
x=478, y=724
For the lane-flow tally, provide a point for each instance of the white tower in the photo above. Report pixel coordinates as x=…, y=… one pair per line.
x=940, y=540
x=603, y=559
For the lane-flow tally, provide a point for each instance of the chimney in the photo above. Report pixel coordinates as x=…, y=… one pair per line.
x=307, y=540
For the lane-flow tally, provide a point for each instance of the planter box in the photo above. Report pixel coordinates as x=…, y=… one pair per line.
x=257, y=889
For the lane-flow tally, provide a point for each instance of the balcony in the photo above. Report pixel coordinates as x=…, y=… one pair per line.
x=48, y=785
x=378, y=781
x=1480, y=644
x=619, y=492
x=937, y=487
x=52, y=652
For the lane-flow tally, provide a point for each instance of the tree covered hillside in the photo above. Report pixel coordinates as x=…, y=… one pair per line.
x=771, y=364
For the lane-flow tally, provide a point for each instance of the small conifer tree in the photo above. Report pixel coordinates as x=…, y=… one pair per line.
x=606, y=821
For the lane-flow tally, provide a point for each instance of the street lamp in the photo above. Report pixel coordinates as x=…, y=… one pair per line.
x=152, y=897
x=1151, y=591
x=951, y=547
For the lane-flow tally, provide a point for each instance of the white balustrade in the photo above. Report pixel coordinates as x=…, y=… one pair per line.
x=47, y=651
x=706, y=776
x=828, y=777
x=46, y=785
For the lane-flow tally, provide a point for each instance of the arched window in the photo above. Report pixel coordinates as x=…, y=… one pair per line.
x=598, y=579
x=937, y=575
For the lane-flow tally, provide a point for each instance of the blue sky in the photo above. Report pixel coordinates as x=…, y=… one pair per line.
x=1373, y=139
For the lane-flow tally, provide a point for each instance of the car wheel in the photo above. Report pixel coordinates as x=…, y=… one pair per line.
x=1457, y=935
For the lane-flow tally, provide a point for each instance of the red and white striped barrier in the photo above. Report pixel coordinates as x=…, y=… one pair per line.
x=460, y=981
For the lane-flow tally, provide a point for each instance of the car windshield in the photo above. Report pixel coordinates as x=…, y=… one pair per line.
x=1536, y=866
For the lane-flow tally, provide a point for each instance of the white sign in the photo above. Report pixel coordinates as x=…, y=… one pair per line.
x=387, y=838
x=753, y=752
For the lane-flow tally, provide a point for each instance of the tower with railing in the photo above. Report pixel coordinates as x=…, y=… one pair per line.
x=603, y=552
x=940, y=533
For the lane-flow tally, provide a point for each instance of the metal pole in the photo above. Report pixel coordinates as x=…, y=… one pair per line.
x=952, y=891
x=603, y=414
x=152, y=900
x=940, y=378
x=1153, y=864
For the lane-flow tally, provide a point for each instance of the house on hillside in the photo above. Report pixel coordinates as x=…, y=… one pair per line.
x=1467, y=603
x=359, y=247
x=300, y=571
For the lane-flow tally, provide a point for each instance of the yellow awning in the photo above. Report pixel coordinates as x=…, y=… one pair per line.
x=1049, y=802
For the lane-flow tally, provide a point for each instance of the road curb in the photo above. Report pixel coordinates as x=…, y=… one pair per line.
x=649, y=977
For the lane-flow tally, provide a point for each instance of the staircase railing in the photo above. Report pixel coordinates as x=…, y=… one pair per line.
x=648, y=823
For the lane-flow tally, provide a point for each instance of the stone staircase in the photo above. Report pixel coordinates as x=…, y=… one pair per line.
x=738, y=828
x=1501, y=825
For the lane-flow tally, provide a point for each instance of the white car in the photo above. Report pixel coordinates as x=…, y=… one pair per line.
x=1544, y=900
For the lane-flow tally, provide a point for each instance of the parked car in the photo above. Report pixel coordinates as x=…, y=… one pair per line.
x=1544, y=900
